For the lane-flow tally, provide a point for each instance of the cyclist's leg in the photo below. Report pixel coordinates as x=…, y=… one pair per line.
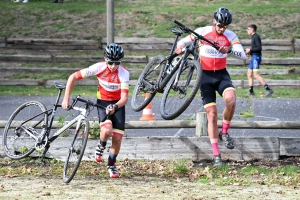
x=208, y=95
x=118, y=121
x=105, y=130
x=227, y=91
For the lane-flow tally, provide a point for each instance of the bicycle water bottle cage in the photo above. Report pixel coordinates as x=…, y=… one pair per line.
x=174, y=63
x=177, y=32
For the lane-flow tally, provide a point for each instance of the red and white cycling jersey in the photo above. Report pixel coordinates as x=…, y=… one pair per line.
x=210, y=58
x=110, y=84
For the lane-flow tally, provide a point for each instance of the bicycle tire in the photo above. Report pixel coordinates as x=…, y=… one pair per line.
x=17, y=143
x=76, y=151
x=152, y=74
x=175, y=100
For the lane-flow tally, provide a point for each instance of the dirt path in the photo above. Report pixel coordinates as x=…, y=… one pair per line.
x=142, y=187
x=30, y=179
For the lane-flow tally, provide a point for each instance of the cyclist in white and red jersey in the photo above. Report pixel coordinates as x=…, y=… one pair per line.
x=113, y=85
x=215, y=76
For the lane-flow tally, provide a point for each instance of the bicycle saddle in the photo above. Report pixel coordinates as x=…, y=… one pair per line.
x=59, y=85
x=177, y=32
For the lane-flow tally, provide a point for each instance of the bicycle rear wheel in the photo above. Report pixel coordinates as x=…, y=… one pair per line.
x=17, y=141
x=150, y=75
x=177, y=97
x=76, y=151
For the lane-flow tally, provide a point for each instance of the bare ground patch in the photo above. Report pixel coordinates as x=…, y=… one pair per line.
x=30, y=179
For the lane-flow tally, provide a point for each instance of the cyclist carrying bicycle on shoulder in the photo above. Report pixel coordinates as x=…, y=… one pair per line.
x=113, y=86
x=216, y=77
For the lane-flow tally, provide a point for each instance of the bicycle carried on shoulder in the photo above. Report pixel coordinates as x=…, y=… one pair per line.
x=177, y=77
x=28, y=129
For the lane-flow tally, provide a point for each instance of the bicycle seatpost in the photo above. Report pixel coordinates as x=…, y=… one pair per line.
x=178, y=34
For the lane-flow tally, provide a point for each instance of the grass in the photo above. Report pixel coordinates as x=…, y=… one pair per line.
x=91, y=91
x=231, y=173
x=64, y=76
x=270, y=76
x=150, y=18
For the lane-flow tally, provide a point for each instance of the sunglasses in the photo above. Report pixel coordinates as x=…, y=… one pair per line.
x=222, y=25
x=113, y=62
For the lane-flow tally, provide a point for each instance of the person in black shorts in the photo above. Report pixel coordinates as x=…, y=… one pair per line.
x=113, y=86
x=215, y=76
x=255, y=52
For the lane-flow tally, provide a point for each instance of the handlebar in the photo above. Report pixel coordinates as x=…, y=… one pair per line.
x=88, y=102
x=187, y=30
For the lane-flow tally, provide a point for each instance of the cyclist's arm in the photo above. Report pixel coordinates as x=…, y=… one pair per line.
x=183, y=43
x=70, y=84
x=237, y=49
x=124, y=89
x=123, y=101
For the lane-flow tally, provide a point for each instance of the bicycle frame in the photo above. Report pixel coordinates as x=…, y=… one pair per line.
x=43, y=140
x=164, y=76
x=164, y=79
x=77, y=119
x=48, y=127
x=188, y=51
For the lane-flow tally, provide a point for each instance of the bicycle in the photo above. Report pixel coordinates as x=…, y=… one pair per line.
x=22, y=137
x=176, y=77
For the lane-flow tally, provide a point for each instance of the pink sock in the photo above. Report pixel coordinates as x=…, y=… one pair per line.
x=225, y=128
x=215, y=149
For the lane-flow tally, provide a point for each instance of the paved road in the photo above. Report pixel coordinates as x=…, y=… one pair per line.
x=265, y=109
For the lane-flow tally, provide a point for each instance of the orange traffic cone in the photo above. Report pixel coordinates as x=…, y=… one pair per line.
x=147, y=111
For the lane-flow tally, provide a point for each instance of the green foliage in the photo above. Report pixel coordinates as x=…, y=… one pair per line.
x=291, y=76
x=24, y=149
x=232, y=173
x=149, y=18
x=94, y=129
x=178, y=166
x=91, y=91
x=188, y=118
x=61, y=122
x=248, y=113
x=254, y=170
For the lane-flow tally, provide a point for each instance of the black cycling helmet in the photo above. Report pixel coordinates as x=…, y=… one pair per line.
x=113, y=52
x=223, y=16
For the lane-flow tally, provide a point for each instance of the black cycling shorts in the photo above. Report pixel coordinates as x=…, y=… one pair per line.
x=213, y=81
x=117, y=119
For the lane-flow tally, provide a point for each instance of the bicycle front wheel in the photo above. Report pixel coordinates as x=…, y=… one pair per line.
x=178, y=96
x=76, y=151
x=23, y=128
x=145, y=87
